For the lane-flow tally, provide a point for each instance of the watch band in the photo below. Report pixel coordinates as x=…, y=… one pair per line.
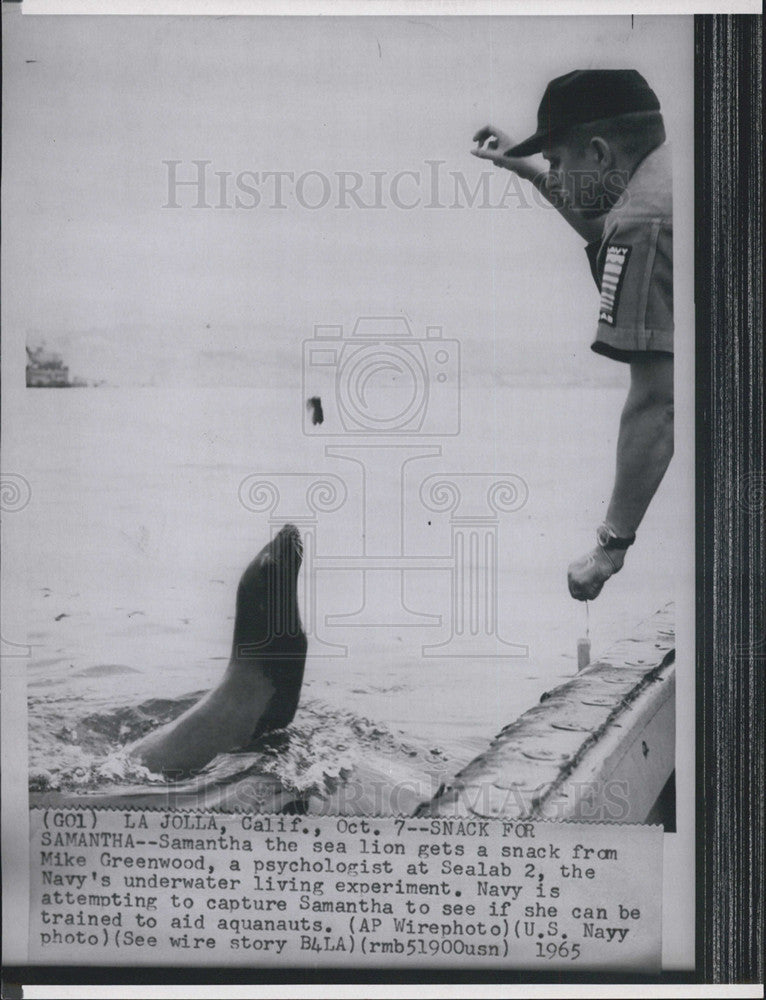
x=607, y=539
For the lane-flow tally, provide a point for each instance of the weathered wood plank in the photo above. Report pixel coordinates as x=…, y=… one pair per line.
x=584, y=751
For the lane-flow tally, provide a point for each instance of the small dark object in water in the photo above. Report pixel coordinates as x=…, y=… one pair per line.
x=315, y=404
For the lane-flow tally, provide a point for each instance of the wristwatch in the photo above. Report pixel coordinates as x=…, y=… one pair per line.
x=607, y=539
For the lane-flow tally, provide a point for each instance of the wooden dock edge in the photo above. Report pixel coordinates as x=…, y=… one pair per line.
x=599, y=748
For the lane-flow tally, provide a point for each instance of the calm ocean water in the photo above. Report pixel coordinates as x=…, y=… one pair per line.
x=137, y=535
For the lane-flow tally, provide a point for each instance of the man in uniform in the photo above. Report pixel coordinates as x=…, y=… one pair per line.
x=609, y=176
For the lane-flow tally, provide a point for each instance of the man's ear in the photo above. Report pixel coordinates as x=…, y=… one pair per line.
x=602, y=152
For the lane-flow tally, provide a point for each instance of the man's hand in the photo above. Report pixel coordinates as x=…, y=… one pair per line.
x=493, y=144
x=589, y=574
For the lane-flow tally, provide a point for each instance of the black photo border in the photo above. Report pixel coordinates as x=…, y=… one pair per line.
x=730, y=496
x=731, y=516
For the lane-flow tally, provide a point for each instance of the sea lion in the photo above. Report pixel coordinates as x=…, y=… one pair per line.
x=261, y=687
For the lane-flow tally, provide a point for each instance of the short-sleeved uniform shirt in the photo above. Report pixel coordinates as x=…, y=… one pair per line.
x=632, y=264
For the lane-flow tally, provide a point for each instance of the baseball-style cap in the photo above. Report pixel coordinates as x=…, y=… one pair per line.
x=586, y=95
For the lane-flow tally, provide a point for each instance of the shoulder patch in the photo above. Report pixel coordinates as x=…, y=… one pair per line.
x=615, y=262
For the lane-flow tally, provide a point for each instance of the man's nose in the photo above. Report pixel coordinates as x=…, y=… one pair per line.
x=554, y=181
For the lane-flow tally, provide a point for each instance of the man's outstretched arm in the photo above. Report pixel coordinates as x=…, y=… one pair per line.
x=644, y=450
x=492, y=142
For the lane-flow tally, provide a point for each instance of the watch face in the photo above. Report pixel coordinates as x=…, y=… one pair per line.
x=603, y=536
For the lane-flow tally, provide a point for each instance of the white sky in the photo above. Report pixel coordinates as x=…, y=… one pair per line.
x=93, y=106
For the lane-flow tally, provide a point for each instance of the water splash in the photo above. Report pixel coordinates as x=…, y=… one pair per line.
x=314, y=758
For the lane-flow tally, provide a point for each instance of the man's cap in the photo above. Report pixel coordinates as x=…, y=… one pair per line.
x=586, y=95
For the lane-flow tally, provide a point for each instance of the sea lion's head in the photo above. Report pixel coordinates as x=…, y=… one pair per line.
x=268, y=621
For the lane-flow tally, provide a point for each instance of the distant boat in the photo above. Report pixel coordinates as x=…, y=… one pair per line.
x=46, y=370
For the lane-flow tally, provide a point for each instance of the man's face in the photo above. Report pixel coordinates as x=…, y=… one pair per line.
x=575, y=175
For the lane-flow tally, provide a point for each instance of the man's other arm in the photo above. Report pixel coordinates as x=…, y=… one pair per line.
x=645, y=443
x=644, y=450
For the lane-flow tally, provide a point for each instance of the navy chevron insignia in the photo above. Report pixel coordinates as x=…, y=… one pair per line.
x=611, y=281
